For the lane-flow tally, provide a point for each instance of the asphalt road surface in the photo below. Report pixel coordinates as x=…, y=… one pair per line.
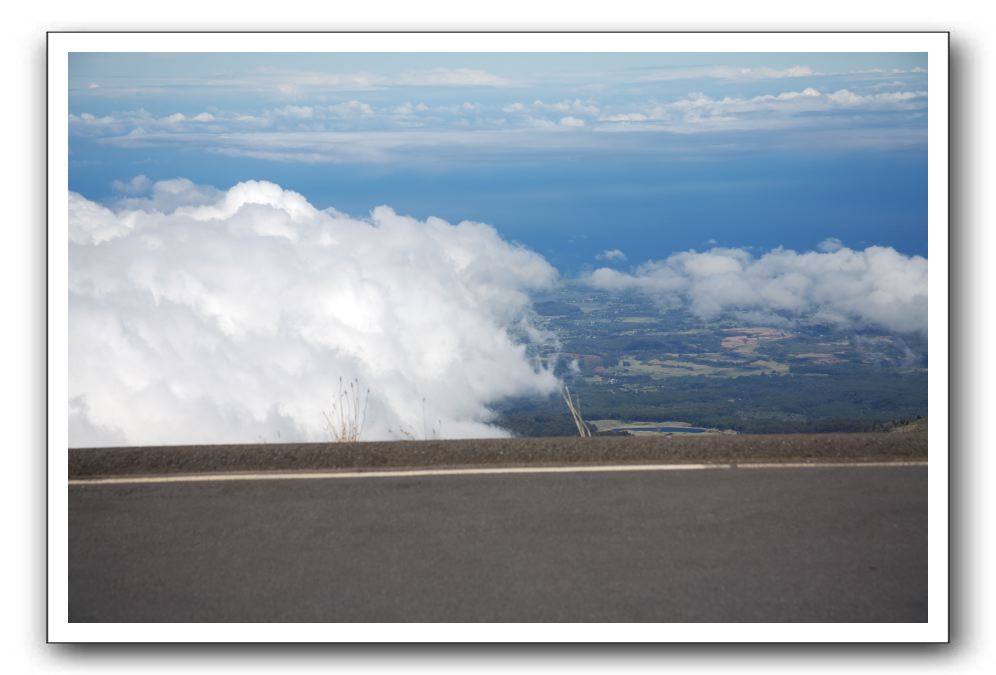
x=731, y=545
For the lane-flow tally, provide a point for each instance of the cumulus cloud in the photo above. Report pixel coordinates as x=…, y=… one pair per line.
x=830, y=244
x=571, y=122
x=88, y=123
x=163, y=196
x=136, y=185
x=199, y=315
x=876, y=287
x=611, y=254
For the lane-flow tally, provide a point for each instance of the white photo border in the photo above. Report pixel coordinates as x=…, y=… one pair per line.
x=934, y=44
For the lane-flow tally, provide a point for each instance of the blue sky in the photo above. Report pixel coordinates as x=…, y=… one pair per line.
x=570, y=154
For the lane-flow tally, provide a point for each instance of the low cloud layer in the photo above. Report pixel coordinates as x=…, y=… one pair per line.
x=877, y=287
x=199, y=315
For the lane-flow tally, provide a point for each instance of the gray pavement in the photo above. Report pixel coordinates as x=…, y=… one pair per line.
x=741, y=545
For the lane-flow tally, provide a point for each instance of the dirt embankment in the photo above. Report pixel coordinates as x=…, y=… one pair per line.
x=873, y=447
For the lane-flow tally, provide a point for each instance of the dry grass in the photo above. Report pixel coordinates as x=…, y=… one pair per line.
x=408, y=433
x=344, y=422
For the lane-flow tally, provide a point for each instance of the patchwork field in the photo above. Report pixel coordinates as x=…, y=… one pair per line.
x=631, y=360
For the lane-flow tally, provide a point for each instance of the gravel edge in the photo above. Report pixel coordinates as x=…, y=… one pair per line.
x=187, y=459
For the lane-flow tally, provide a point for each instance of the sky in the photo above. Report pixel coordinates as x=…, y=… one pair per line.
x=249, y=231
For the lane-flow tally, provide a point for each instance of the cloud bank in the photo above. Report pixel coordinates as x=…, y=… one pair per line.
x=209, y=316
x=876, y=287
x=389, y=130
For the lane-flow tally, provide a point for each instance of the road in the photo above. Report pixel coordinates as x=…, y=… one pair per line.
x=732, y=545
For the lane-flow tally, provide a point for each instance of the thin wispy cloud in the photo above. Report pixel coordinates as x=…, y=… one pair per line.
x=375, y=147
x=727, y=73
x=284, y=83
x=450, y=77
x=295, y=82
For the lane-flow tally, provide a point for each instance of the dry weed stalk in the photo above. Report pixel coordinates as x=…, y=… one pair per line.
x=344, y=423
x=574, y=407
x=409, y=434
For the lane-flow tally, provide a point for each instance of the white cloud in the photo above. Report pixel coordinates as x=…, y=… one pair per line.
x=289, y=82
x=357, y=131
x=206, y=316
x=377, y=147
x=409, y=108
x=350, y=108
x=91, y=223
x=538, y=114
x=611, y=254
x=89, y=122
x=83, y=433
x=806, y=100
x=166, y=195
x=830, y=245
x=577, y=107
x=875, y=287
x=699, y=112
x=295, y=83
x=729, y=73
x=137, y=185
x=625, y=117
x=449, y=77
